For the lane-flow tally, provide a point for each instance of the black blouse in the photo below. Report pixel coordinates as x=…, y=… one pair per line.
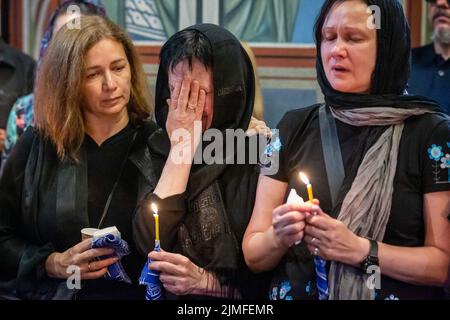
x=423, y=167
x=104, y=164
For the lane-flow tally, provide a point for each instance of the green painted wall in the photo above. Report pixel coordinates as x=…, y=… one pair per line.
x=115, y=10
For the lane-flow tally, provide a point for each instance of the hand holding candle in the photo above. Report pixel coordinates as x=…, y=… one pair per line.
x=148, y=277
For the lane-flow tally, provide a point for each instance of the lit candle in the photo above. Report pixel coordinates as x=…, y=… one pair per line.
x=308, y=186
x=156, y=216
x=319, y=262
x=149, y=277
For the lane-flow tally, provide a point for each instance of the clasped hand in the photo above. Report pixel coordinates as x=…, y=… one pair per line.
x=324, y=236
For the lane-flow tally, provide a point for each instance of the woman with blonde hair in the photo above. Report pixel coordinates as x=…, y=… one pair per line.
x=86, y=164
x=21, y=115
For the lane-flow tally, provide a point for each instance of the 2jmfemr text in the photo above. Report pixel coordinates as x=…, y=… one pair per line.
x=226, y=310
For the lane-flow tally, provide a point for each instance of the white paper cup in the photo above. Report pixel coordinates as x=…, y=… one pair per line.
x=87, y=233
x=110, y=230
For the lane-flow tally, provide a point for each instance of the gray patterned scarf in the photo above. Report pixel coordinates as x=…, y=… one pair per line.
x=367, y=205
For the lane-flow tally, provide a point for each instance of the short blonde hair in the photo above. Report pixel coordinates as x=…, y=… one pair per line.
x=58, y=112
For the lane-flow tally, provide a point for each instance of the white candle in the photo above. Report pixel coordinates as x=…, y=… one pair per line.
x=294, y=198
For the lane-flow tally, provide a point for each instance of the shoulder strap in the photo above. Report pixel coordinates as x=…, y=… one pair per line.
x=331, y=152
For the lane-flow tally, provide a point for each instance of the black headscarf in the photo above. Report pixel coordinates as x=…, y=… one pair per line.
x=392, y=69
x=234, y=91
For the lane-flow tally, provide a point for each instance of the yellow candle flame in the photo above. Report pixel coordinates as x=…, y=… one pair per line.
x=304, y=178
x=154, y=208
x=308, y=186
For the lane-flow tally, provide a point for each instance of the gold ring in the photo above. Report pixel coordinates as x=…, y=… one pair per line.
x=89, y=266
x=192, y=106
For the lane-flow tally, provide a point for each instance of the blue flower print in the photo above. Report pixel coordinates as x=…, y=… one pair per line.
x=441, y=162
x=445, y=162
x=273, y=146
x=269, y=150
x=392, y=297
x=285, y=288
x=435, y=152
x=277, y=144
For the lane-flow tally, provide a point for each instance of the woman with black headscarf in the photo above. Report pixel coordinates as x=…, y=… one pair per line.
x=205, y=78
x=378, y=161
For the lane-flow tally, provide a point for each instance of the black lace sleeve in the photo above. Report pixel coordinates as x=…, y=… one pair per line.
x=171, y=212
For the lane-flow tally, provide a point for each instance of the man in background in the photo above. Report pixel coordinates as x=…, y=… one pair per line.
x=430, y=74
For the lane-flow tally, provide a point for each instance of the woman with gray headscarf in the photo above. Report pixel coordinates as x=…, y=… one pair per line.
x=378, y=160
